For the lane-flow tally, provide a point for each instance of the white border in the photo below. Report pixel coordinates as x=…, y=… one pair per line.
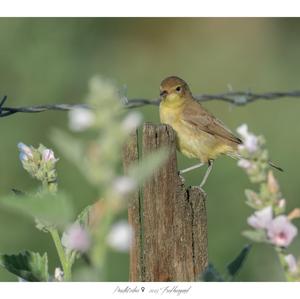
x=108, y=290
x=149, y=8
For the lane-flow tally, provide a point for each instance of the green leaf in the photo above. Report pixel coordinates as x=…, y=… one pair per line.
x=253, y=199
x=258, y=235
x=83, y=217
x=238, y=262
x=70, y=147
x=211, y=274
x=50, y=209
x=28, y=265
x=146, y=167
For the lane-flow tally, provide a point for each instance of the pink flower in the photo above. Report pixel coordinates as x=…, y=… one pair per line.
x=292, y=263
x=48, y=155
x=261, y=218
x=251, y=143
x=281, y=231
x=76, y=238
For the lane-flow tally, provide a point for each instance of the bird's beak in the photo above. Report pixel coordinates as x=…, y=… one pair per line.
x=163, y=93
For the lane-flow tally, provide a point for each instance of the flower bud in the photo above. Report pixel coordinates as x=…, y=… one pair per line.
x=23, y=148
x=294, y=214
x=23, y=157
x=58, y=274
x=282, y=203
x=244, y=163
x=291, y=263
x=273, y=186
x=48, y=155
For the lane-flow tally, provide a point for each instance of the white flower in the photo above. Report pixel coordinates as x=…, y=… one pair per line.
x=244, y=163
x=132, y=121
x=58, y=274
x=76, y=238
x=250, y=141
x=281, y=231
x=292, y=263
x=80, y=119
x=123, y=185
x=261, y=218
x=120, y=236
x=243, y=130
x=48, y=155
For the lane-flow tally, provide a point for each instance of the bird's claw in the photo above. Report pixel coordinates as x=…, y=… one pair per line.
x=181, y=177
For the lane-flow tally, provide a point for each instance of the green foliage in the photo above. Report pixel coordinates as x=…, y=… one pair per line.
x=72, y=148
x=258, y=235
x=232, y=269
x=253, y=199
x=211, y=274
x=234, y=266
x=96, y=151
x=50, y=209
x=28, y=265
x=83, y=217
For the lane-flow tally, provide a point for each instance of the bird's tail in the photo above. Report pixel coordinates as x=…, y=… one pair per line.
x=237, y=156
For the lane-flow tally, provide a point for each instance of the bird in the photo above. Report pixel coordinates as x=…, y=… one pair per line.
x=199, y=134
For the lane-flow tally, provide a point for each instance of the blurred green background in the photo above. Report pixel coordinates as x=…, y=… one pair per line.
x=51, y=60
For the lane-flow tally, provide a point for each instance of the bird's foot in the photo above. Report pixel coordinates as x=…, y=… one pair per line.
x=181, y=177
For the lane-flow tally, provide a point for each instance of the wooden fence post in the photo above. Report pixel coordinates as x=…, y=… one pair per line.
x=169, y=221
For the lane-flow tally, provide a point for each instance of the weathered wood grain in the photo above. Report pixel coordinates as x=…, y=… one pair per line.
x=171, y=220
x=131, y=155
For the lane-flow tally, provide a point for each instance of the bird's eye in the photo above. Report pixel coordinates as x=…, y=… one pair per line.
x=178, y=88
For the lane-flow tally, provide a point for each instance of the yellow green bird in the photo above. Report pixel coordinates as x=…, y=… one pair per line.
x=199, y=134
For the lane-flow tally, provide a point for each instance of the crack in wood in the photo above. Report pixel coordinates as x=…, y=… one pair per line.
x=170, y=223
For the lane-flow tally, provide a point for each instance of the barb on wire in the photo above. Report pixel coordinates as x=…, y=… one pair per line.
x=237, y=98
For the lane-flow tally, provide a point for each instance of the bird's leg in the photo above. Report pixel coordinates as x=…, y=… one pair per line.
x=190, y=168
x=210, y=165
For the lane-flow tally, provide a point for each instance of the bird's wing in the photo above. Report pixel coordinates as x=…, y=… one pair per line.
x=195, y=115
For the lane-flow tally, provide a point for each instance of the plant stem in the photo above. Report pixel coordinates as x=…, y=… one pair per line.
x=61, y=253
x=283, y=264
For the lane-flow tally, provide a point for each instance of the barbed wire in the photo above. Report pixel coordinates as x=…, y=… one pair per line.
x=238, y=98
x=6, y=111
